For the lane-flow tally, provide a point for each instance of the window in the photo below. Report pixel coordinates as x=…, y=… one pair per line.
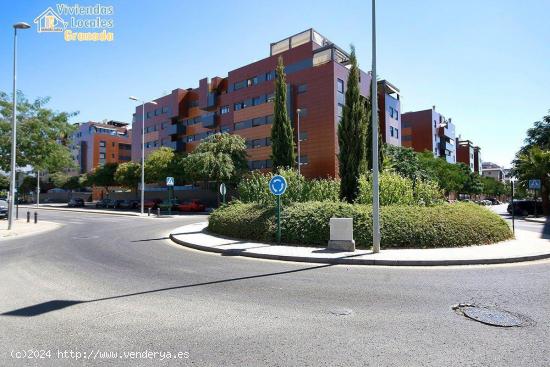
x=302, y=88
x=397, y=133
x=340, y=110
x=303, y=135
x=224, y=110
x=240, y=85
x=102, y=144
x=149, y=114
x=165, y=109
x=270, y=97
x=391, y=111
x=113, y=144
x=158, y=111
x=258, y=121
x=269, y=119
x=101, y=155
x=252, y=81
x=303, y=112
x=304, y=159
x=243, y=124
x=112, y=155
x=270, y=75
x=340, y=85
x=391, y=131
x=396, y=115
x=238, y=106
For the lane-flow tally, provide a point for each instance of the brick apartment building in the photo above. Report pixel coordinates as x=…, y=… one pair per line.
x=469, y=154
x=97, y=143
x=242, y=103
x=428, y=130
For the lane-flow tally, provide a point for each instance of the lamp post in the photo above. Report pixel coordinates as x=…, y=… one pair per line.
x=512, y=181
x=16, y=26
x=142, y=148
x=299, y=112
x=374, y=111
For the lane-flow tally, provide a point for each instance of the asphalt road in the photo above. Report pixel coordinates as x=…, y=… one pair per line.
x=117, y=285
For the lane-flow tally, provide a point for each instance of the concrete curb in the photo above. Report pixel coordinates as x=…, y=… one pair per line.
x=91, y=211
x=537, y=220
x=355, y=261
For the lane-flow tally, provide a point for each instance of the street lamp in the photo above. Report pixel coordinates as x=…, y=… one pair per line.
x=374, y=111
x=142, y=148
x=16, y=26
x=299, y=112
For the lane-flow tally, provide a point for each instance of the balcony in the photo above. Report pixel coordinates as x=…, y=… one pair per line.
x=209, y=120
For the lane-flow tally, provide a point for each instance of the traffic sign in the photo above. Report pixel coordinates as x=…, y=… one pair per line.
x=169, y=181
x=534, y=184
x=223, y=189
x=277, y=185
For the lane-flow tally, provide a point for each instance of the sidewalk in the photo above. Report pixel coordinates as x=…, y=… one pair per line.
x=63, y=207
x=21, y=228
x=527, y=246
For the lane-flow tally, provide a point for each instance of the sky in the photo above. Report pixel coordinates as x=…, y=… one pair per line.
x=485, y=64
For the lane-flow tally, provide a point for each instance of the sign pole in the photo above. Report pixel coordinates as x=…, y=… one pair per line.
x=279, y=219
x=513, y=213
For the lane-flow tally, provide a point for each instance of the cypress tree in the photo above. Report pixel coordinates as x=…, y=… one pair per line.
x=352, y=135
x=368, y=152
x=282, y=134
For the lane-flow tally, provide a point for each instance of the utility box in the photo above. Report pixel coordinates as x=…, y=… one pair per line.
x=341, y=234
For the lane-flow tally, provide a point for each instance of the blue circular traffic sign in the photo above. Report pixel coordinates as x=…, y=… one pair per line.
x=277, y=185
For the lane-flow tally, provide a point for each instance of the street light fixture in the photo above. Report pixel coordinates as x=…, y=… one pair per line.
x=299, y=112
x=16, y=26
x=142, y=148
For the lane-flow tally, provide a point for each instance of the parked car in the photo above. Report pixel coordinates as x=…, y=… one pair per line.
x=169, y=204
x=525, y=207
x=3, y=209
x=76, y=202
x=152, y=203
x=494, y=201
x=126, y=204
x=105, y=203
x=191, y=206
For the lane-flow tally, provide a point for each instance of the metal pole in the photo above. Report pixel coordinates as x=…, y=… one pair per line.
x=142, y=155
x=13, y=134
x=279, y=219
x=37, y=188
x=513, y=213
x=374, y=111
x=299, y=111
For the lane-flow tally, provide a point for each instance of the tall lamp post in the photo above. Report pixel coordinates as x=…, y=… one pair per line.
x=299, y=112
x=142, y=148
x=16, y=26
x=374, y=111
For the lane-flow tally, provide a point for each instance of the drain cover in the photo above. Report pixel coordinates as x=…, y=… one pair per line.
x=489, y=316
x=341, y=312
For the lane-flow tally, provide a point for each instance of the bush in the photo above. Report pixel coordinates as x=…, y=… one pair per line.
x=446, y=225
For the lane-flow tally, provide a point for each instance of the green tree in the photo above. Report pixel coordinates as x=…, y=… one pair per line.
x=369, y=111
x=538, y=135
x=403, y=161
x=27, y=185
x=103, y=176
x=159, y=165
x=352, y=136
x=42, y=135
x=535, y=164
x=492, y=187
x=128, y=175
x=282, y=134
x=449, y=177
x=4, y=182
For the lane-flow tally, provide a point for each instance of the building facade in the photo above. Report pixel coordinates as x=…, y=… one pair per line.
x=242, y=103
x=465, y=153
x=428, y=130
x=477, y=160
x=494, y=171
x=96, y=143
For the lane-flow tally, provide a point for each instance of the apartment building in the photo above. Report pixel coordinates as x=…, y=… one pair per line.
x=494, y=171
x=477, y=160
x=242, y=103
x=465, y=153
x=97, y=143
x=428, y=130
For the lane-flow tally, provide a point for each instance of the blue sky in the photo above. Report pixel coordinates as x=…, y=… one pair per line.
x=486, y=64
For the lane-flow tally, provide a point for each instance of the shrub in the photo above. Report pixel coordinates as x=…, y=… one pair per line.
x=446, y=225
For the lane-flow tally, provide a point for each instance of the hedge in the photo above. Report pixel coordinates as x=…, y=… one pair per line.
x=447, y=225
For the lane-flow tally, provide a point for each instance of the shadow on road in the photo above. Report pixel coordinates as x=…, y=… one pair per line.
x=54, y=305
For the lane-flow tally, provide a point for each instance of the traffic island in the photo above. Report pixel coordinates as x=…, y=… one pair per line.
x=22, y=229
x=526, y=247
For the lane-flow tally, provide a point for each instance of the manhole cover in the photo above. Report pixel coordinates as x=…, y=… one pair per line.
x=489, y=316
x=341, y=312
x=84, y=237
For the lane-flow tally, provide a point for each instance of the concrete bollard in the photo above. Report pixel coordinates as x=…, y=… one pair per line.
x=28, y=217
x=341, y=234
x=35, y=217
x=148, y=212
x=158, y=212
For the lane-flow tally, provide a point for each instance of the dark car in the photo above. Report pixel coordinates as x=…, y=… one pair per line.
x=3, y=209
x=126, y=204
x=76, y=202
x=105, y=203
x=525, y=207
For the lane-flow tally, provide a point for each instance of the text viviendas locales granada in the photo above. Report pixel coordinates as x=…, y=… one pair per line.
x=101, y=21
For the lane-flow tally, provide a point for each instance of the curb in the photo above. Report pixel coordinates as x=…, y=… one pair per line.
x=533, y=220
x=91, y=211
x=351, y=261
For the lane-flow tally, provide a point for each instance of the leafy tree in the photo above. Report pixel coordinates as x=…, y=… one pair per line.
x=4, y=182
x=352, y=136
x=27, y=185
x=220, y=157
x=162, y=163
x=538, y=135
x=450, y=177
x=103, y=176
x=42, y=135
x=492, y=187
x=282, y=134
x=128, y=175
x=404, y=161
x=472, y=184
x=535, y=164
x=59, y=179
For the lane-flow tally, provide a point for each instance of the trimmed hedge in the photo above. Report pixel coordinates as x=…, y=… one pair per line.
x=447, y=225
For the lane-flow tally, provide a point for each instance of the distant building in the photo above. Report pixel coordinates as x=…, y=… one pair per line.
x=477, y=160
x=469, y=154
x=495, y=171
x=428, y=130
x=96, y=143
x=242, y=103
